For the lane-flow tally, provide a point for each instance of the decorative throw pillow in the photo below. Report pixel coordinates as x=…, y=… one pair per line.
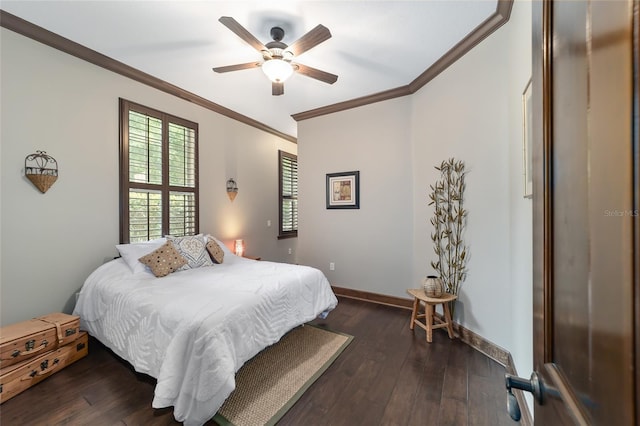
x=216, y=252
x=194, y=249
x=164, y=260
x=222, y=245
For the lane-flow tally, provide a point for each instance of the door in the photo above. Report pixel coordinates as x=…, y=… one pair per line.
x=585, y=209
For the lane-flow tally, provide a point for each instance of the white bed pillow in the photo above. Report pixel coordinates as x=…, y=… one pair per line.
x=134, y=251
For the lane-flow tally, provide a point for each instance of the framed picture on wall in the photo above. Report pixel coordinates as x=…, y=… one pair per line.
x=527, y=156
x=343, y=190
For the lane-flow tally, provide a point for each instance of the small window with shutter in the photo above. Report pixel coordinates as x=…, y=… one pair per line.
x=288, y=172
x=158, y=174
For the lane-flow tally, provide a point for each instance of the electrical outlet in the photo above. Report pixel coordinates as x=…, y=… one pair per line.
x=332, y=266
x=290, y=251
x=269, y=225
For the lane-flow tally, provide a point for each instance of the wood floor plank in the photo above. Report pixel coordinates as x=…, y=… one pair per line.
x=426, y=408
x=497, y=384
x=416, y=375
x=455, y=377
x=453, y=412
x=388, y=375
x=481, y=403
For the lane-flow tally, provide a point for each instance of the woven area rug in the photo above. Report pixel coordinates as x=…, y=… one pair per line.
x=271, y=382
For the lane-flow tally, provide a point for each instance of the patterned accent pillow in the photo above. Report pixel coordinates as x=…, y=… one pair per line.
x=164, y=260
x=194, y=249
x=216, y=252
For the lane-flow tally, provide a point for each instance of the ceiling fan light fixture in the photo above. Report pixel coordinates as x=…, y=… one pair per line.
x=278, y=56
x=277, y=70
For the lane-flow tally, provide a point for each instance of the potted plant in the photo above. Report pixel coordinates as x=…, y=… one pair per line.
x=449, y=221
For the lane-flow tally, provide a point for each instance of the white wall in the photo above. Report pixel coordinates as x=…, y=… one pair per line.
x=369, y=246
x=520, y=209
x=51, y=242
x=472, y=111
x=461, y=114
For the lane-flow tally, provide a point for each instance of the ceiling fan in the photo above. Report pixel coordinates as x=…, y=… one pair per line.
x=277, y=56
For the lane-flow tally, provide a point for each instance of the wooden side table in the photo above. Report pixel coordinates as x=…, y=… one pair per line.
x=431, y=321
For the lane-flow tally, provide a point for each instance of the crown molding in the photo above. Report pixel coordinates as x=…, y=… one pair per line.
x=353, y=103
x=482, y=31
x=51, y=39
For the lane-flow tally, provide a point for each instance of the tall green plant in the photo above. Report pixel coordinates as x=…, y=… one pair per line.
x=449, y=221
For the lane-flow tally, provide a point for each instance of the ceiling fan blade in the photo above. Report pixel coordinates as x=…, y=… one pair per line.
x=242, y=32
x=277, y=89
x=316, y=73
x=309, y=40
x=237, y=67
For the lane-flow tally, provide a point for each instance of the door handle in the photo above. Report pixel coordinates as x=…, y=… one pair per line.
x=533, y=385
x=542, y=392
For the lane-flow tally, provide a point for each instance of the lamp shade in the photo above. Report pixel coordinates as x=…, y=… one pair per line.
x=239, y=247
x=277, y=70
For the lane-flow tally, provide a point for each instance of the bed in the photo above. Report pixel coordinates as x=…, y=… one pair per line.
x=193, y=329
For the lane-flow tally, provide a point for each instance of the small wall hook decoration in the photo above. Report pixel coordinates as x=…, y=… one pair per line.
x=41, y=169
x=232, y=189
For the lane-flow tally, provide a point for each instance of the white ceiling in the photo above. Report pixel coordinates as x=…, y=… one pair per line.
x=376, y=45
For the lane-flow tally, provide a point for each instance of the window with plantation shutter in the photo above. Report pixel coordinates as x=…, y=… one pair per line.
x=288, y=167
x=158, y=174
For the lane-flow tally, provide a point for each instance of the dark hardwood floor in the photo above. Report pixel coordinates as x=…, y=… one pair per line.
x=387, y=376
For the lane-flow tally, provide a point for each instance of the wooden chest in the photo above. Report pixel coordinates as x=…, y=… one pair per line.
x=19, y=377
x=26, y=339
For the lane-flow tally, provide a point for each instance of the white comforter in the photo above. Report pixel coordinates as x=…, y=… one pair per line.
x=192, y=330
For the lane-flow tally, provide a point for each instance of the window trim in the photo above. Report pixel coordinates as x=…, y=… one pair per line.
x=164, y=187
x=284, y=234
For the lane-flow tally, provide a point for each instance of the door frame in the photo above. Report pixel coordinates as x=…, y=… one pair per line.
x=636, y=196
x=542, y=101
x=541, y=134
